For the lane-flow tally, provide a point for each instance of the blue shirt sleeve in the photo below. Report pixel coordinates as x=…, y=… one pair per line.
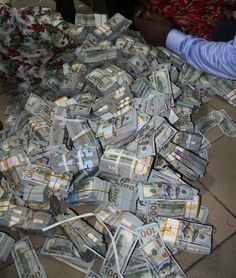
x=218, y=58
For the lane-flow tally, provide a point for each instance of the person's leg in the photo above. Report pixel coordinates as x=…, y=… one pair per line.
x=67, y=9
x=225, y=31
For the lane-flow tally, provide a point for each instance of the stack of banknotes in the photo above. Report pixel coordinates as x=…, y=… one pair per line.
x=112, y=127
x=6, y=243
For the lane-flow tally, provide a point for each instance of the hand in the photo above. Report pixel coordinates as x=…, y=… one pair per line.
x=154, y=28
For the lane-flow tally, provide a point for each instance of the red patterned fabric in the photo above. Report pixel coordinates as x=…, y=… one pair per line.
x=197, y=17
x=29, y=37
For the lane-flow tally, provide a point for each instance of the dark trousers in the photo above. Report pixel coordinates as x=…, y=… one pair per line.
x=124, y=7
x=67, y=9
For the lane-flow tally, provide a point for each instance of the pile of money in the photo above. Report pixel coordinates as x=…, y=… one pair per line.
x=109, y=124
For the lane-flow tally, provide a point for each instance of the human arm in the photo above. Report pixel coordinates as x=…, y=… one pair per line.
x=216, y=58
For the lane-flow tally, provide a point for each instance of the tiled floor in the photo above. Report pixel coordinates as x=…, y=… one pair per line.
x=218, y=190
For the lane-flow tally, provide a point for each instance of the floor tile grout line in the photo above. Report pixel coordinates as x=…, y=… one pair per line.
x=214, y=141
x=217, y=108
x=218, y=200
x=213, y=250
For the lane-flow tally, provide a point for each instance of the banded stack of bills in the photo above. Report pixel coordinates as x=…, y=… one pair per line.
x=192, y=237
x=92, y=190
x=62, y=249
x=6, y=243
x=26, y=259
x=83, y=236
x=123, y=163
x=159, y=260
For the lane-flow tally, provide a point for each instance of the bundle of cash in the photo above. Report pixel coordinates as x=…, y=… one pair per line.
x=218, y=86
x=142, y=87
x=35, y=175
x=90, y=190
x=39, y=108
x=113, y=101
x=60, y=247
x=153, y=137
x=5, y=202
x=189, y=141
x=13, y=142
x=64, y=163
x=172, y=208
x=125, y=164
x=209, y=121
x=185, y=162
x=81, y=104
x=57, y=129
x=26, y=259
x=80, y=133
x=161, y=191
x=39, y=130
x=52, y=82
x=125, y=240
x=35, y=196
x=139, y=65
x=189, y=75
x=108, y=78
x=6, y=243
x=90, y=20
x=113, y=217
x=158, y=258
x=167, y=56
x=83, y=236
x=59, y=184
x=153, y=105
x=190, y=97
x=124, y=197
x=73, y=78
x=130, y=47
x=26, y=218
x=112, y=28
x=192, y=237
x=137, y=265
x=98, y=55
x=38, y=153
x=118, y=130
x=14, y=215
x=227, y=126
x=12, y=165
x=161, y=82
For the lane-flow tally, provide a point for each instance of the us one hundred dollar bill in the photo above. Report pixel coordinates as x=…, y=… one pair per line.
x=26, y=259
